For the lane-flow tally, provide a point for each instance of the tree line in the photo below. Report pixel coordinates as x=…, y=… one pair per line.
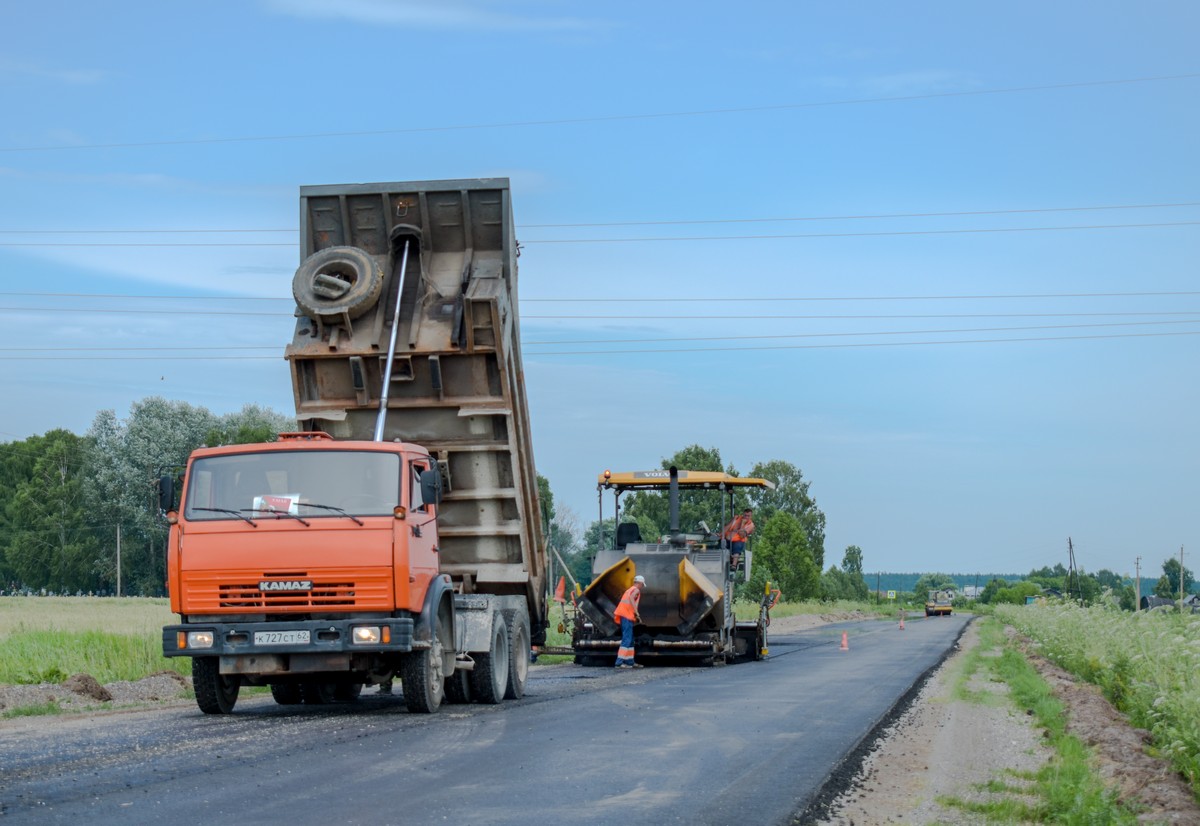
x=1072, y=585
x=70, y=504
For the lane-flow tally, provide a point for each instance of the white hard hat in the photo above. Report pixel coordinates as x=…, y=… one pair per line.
x=640, y=579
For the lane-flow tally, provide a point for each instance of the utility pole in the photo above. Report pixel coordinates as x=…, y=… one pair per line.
x=1137, y=584
x=1072, y=575
x=877, y=578
x=1181, y=579
x=118, y=559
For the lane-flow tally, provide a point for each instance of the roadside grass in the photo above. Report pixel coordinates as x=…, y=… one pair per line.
x=47, y=639
x=1066, y=790
x=40, y=710
x=31, y=657
x=1146, y=663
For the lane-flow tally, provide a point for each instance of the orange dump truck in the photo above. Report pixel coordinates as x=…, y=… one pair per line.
x=397, y=534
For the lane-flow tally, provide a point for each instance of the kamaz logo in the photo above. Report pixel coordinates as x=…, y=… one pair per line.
x=285, y=585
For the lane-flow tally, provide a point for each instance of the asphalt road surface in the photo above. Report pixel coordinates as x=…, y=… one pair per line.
x=753, y=743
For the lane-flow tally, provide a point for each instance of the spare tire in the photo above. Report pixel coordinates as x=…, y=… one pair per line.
x=337, y=282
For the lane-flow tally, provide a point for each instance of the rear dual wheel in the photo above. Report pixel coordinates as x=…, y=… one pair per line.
x=518, y=652
x=489, y=679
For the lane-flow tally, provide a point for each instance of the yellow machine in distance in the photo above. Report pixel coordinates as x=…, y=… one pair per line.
x=687, y=606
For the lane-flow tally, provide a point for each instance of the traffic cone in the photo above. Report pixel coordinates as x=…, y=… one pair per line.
x=845, y=641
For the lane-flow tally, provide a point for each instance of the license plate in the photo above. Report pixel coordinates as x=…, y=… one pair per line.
x=280, y=637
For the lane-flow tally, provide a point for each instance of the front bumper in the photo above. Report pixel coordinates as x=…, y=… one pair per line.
x=236, y=639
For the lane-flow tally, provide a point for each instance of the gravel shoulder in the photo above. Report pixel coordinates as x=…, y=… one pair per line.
x=944, y=746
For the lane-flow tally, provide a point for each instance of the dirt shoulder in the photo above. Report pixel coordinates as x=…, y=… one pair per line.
x=945, y=746
x=82, y=692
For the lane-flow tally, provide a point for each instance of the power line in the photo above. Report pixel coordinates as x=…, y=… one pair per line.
x=634, y=340
x=689, y=317
x=593, y=317
x=672, y=350
x=865, y=344
x=879, y=216
x=671, y=299
x=698, y=221
x=812, y=234
x=672, y=238
x=871, y=333
x=730, y=299
x=608, y=118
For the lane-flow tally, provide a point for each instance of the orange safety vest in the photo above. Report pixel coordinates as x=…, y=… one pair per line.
x=740, y=528
x=628, y=608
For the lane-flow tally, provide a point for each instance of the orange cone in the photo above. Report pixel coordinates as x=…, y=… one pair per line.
x=845, y=641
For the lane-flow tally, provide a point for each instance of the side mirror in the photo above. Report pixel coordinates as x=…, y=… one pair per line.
x=431, y=486
x=166, y=493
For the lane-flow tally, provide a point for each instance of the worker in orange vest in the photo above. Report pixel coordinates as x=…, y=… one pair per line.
x=627, y=614
x=736, y=533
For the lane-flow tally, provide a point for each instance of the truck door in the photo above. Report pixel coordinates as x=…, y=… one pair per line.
x=422, y=535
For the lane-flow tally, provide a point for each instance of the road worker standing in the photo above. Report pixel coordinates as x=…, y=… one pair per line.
x=736, y=533
x=627, y=614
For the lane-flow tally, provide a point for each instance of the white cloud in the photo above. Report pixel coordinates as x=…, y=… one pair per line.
x=434, y=14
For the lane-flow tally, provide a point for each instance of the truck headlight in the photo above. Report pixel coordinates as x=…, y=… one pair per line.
x=199, y=639
x=366, y=634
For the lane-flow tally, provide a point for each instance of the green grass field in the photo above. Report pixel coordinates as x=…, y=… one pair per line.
x=47, y=639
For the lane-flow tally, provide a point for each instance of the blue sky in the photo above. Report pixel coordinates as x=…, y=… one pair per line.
x=945, y=439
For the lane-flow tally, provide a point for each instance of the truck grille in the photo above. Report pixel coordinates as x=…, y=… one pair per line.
x=208, y=593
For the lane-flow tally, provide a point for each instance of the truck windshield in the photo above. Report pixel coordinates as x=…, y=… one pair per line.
x=307, y=483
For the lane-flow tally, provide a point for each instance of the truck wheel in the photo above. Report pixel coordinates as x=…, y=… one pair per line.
x=338, y=281
x=287, y=694
x=518, y=652
x=489, y=680
x=421, y=675
x=215, y=692
x=347, y=692
x=458, y=687
x=317, y=693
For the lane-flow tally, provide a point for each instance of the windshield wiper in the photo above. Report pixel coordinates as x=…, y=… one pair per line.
x=333, y=508
x=280, y=514
x=238, y=514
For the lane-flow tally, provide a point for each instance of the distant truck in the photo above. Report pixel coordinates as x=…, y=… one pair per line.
x=398, y=535
x=940, y=603
x=687, y=606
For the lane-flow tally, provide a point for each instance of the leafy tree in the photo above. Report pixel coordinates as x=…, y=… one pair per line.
x=932, y=582
x=990, y=590
x=561, y=528
x=1168, y=583
x=249, y=425
x=790, y=496
x=1108, y=579
x=51, y=545
x=652, y=510
x=16, y=466
x=852, y=560
x=1017, y=593
x=838, y=584
x=783, y=554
